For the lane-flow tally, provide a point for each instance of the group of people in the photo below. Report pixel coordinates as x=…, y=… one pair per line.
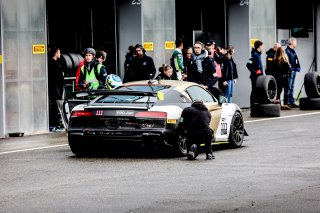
x=282, y=64
x=205, y=64
x=91, y=74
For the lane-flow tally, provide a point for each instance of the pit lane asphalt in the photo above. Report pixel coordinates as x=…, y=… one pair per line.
x=56, y=139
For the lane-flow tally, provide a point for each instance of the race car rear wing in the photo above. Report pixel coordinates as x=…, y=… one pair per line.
x=88, y=93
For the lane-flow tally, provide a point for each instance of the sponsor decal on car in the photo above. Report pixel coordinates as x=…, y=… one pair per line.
x=124, y=112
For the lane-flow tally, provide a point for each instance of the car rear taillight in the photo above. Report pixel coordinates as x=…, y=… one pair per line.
x=151, y=114
x=81, y=113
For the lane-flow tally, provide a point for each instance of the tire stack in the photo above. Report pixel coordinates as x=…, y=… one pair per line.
x=312, y=88
x=266, y=93
x=70, y=63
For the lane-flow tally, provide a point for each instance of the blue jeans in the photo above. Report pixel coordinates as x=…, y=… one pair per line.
x=292, y=77
x=229, y=91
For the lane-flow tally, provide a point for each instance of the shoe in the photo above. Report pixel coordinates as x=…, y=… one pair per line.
x=285, y=107
x=210, y=156
x=294, y=106
x=192, y=154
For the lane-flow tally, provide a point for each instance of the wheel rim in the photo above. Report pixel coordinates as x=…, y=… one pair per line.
x=238, y=130
x=272, y=90
x=182, y=144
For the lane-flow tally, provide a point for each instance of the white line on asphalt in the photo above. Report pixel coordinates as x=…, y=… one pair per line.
x=288, y=116
x=31, y=149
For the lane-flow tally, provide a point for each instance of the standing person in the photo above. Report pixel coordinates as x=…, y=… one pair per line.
x=101, y=56
x=129, y=57
x=282, y=72
x=194, y=123
x=92, y=74
x=255, y=67
x=176, y=60
x=229, y=74
x=188, y=63
x=142, y=66
x=55, y=84
x=295, y=67
x=270, y=58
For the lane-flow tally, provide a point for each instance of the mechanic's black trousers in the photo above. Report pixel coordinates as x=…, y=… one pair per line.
x=204, y=137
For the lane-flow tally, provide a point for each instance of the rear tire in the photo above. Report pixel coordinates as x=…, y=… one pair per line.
x=181, y=146
x=77, y=147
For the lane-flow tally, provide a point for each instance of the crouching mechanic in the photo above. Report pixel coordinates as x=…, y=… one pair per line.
x=92, y=73
x=194, y=124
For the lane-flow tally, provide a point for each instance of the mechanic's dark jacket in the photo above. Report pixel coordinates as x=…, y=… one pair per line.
x=269, y=62
x=257, y=68
x=56, y=78
x=195, y=119
x=91, y=67
x=141, y=68
x=127, y=74
x=293, y=59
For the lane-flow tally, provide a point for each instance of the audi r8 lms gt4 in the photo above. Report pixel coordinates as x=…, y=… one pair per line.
x=147, y=112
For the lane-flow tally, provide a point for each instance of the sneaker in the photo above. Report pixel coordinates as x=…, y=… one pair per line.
x=192, y=154
x=286, y=107
x=294, y=106
x=210, y=156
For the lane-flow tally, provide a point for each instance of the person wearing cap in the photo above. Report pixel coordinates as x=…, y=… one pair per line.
x=194, y=124
x=92, y=73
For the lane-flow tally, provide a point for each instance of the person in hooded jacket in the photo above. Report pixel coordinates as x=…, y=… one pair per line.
x=194, y=124
x=256, y=68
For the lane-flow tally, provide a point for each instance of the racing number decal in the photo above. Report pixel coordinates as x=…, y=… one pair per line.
x=224, y=129
x=99, y=112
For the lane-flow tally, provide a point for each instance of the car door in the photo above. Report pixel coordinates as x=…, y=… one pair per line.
x=198, y=93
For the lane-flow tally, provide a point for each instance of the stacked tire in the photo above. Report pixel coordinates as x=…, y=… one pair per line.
x=266, y=93
x=70, y=63
x=312, y=89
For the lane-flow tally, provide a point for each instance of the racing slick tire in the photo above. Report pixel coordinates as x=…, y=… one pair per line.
x=237, y=130
x=312, y=84
x=266, y=87
x=180, y=147
x=309, y=103
x=265, y=110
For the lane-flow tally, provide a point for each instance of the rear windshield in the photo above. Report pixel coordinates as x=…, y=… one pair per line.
x=134, y=98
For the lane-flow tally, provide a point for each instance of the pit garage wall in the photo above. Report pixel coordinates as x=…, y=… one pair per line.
x=2, y=118
x=24, y=74
x=129, y=28
x=149, y=22
x=238, y=36
x=255, y=20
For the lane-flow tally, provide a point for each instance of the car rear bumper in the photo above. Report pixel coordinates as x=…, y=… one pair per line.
x=118, y=137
